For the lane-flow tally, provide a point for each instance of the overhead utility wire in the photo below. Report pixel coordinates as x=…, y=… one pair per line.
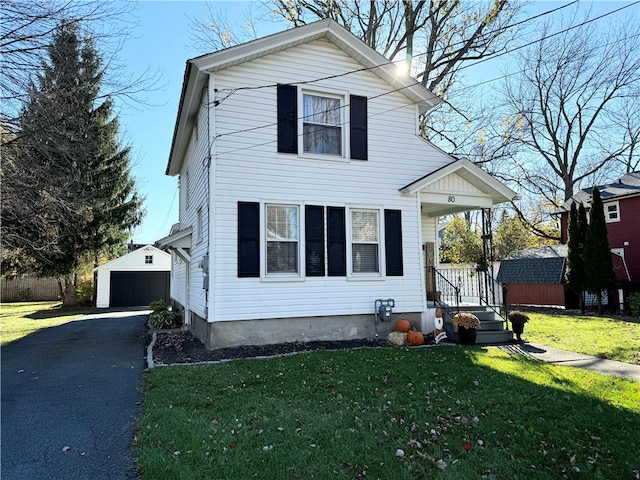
x=408, y=86
x=460, y=42
x=549, y=36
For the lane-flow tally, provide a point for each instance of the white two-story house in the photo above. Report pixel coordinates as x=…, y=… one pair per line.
x=306, y=192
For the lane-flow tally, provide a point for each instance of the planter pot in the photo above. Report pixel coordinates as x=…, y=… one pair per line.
x=467, y=335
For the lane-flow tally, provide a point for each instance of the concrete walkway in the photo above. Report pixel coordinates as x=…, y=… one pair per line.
x=572, y=359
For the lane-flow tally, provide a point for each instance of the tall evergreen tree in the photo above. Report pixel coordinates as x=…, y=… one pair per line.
x=83, y=196
x=575, y=256
x=598, y=271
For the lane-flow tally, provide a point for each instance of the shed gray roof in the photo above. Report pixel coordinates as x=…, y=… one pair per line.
x=534, y=265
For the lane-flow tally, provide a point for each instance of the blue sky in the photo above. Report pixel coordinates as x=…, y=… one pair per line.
x=161, y=43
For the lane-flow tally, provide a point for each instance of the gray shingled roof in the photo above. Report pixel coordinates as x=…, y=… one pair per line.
x=627, y=185
x=534, y=265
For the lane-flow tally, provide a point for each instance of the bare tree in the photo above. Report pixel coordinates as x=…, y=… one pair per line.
x=436, y=36
x=569, y=112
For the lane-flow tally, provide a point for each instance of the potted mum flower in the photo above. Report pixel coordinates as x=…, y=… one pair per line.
x=467, y=326
x=518, y=319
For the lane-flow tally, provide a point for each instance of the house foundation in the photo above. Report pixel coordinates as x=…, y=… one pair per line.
x=235, y=333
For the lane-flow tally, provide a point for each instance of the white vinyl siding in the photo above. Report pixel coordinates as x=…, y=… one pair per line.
x=249, y=169
x=188, y=276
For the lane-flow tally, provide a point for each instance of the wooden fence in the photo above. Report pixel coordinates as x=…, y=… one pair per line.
x=29, y=289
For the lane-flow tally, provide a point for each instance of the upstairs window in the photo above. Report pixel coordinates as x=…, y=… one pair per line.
x=612, y=212
x=326, y=124
x=148, y=259
x=282, y=239
x=322, y=125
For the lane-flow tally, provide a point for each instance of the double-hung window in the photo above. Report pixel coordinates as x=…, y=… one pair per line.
x=612, y=212
x=322, y=124
x=365, y=241
x=283, y=239
x=325, y=125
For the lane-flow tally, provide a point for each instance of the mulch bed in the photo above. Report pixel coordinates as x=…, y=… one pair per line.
x=182, y=347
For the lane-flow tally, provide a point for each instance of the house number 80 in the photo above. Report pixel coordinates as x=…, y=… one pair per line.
x=451, y=199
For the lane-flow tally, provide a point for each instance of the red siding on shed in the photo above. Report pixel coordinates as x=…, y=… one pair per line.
x=535, y=294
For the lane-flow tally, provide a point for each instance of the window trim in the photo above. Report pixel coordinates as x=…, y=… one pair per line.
x=607, y=217
x=282, y=277
x=381, y=273
x=344, y=124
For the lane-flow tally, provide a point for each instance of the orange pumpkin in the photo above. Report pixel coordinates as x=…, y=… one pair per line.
x=415, y=338
x=438, y=313
x=403, y=325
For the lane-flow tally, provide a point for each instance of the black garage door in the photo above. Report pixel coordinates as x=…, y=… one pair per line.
x=137, y=289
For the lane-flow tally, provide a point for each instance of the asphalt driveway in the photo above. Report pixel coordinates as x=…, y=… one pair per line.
x=70, y=396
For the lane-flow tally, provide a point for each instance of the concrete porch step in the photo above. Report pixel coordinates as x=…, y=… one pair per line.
x=492, y=337
x=492, y=330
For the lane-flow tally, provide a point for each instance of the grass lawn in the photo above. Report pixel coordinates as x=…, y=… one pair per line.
x=391, y=413
x=20, y=319
x=604, y=337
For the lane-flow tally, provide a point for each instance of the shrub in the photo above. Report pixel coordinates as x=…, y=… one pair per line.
x=158, y=306
x=84, y=293
x=634, y=304
x=165, y=319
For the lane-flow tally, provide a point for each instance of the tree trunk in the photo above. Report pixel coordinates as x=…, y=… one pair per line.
x=68, y=291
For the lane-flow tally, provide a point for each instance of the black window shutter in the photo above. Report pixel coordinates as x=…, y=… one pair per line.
x=393, y=242
x=336, y=242
x=248, y=239
x=287, y=119
x=314, y=241
x=358, y=117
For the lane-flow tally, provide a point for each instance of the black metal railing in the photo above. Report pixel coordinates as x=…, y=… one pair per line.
x=447, y=295
x=490, y=293
x=493, y=295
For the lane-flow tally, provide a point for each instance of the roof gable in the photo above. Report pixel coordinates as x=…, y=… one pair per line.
x=198, y=69
x=136, y=258
x=462, y=170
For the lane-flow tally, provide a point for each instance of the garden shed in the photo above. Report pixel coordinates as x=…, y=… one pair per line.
x=135, y=279
x=535, y=276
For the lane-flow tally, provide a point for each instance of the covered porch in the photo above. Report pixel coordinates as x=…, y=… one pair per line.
x=459, y=187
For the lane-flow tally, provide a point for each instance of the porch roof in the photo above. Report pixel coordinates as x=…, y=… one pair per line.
x=458, y=187
x=177, y=239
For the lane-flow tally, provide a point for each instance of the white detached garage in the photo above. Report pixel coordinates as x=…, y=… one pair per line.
x=135, y=279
